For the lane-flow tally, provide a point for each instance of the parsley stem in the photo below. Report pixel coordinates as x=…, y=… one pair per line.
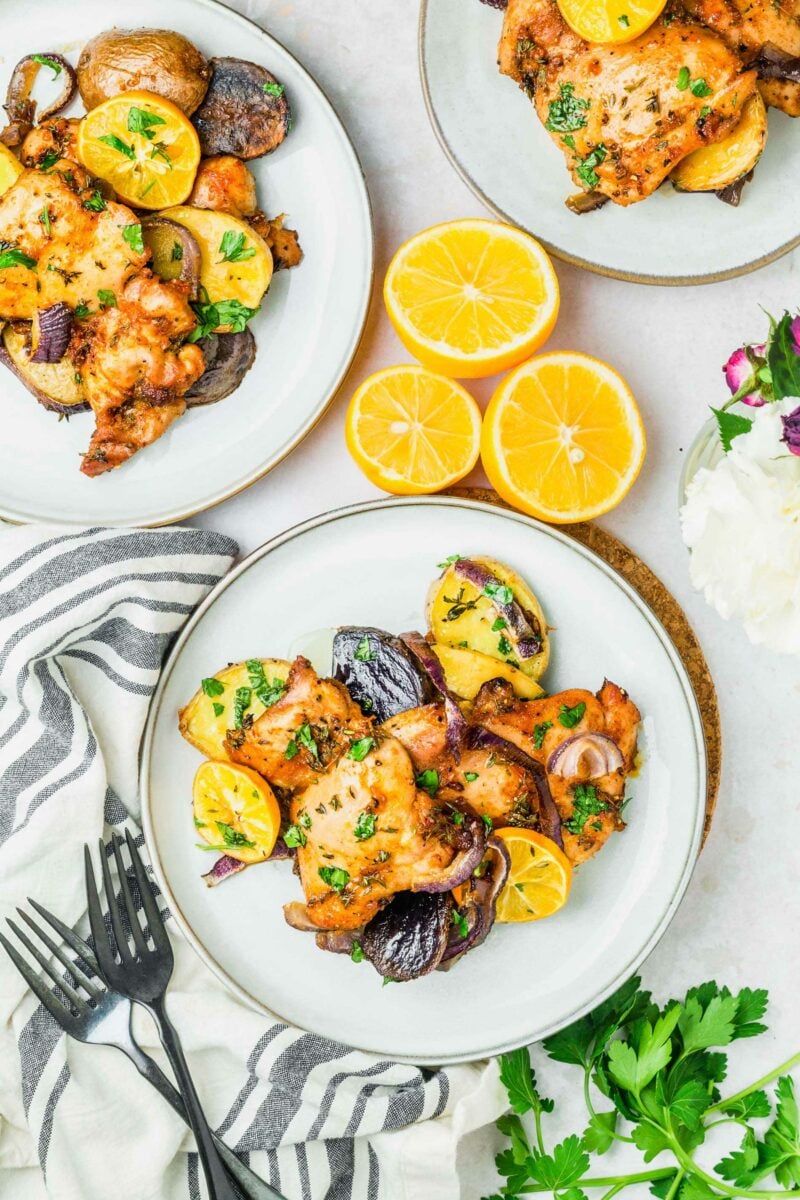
x=687, y=1163
x=609, y=1180
x=783, y=1069
x=618, y=1137
x=537, y=1117
x=676, y=1183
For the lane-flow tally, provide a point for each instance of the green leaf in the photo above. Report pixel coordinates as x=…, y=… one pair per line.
x=651, y=1141
x=219, y=709
x=232, y=247
x=44, y=61
x=295, y=836
x=141, y=121
x=702, y=1026
x=107, y=298
x=519, y=1079
x=363, y=652
x=749, y=1107
x=568, y=1163
x=428, y=781
x=512, y=1127
x=599, y=1135
x=365, y=826
x=132, y=234
x=783, y=360
x=782, y=1137
x=232, y=837
x=16, y=258
x=242, y=699
x=663, y=1187
x=682, y=82
x=585, y=1040
x=730, y=426
x=274, y=89
x=212, y=687
x=360, y=748
x=573, y=1193
x=335, y=877
x=689, y=1104
x=693, y=1188
x=752, y=1005
x=566, y=114
x=116, y=143
x=634, y=1067
x=570, y=717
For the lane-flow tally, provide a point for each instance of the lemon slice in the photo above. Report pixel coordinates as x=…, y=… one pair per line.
x=610, y=21
x=235, y=811
x=540, y=878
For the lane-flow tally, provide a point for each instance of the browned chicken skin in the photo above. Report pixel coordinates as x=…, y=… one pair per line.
x=633, y=123
x=58, y=136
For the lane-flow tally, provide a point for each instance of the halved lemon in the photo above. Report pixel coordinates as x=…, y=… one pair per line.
x=610, y=21
x=562, y=438
x=413, y=432
x=471, y=298
x=144, y=146
x=10, y=168
x=235, y=811
x=539, y=880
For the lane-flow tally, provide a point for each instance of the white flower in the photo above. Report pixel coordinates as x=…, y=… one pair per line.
x=741, y=522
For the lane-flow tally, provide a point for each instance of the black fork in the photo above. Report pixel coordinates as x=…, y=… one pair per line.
x=143, y=975
x=85, y=1008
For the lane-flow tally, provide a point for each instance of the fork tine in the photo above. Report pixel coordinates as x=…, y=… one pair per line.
x=83, y=979
x=130, y=907
x=102, y=948
x=37, y=985
x=79, y=1001
x=157, y=929
x=123, y=949
x=69, y=935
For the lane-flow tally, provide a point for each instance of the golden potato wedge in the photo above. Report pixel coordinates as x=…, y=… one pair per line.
x=223, y=698
x=714, y=167
x=10, y=168
x=461, y=614
x=466, y=671
x=235, y=261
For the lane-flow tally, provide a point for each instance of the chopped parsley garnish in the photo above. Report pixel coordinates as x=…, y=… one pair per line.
x=569, y=717
x=107, y=299
x=428, y=781
x=357, y=952
x=233, y=247
x=365, y=826
x=159, y=150
x=177, y=252
x=117, y=144
x=219, y=709
x=487, y=821
x=360, y=749
x=304, y=819
x=698, y=87
x=44, y=217
x=274, y=89
x=335, y=877
x=95, y=203
x=242, y=699
x=461, y=923
x=500, y=592
x=363, y=652
x=538, y=733
x=132, y=234
x=231, y=836
x=684, y=77
x=567, y=112
x=458, y=605
x=49, y=160
x=500, y=623
x=292, y=749
x=267, y=693
x=585, y=168
x=587, y=804
x=448, y=562
x=705, y=111
x=623, y=20
x=211, y=687
x=457, y=817
x=504, y=645
x=81, y=311
x=303, y=737
x=141, y=121
x=198, y=824
x=44, y=61
x=470, y=776
x=294, y=836
x=229, y=313
x=16, y=258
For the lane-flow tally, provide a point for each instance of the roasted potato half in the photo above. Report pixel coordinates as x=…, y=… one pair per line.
x=466, y=671
x=235, y=261
x=713, y=168
x=462, y=614
x=56, y=386
x=150, y=60
x=222, y=700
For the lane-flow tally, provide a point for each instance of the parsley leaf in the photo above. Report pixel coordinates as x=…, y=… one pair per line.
x=232, y=837
x=538, y=733
x=585, y=167
x=116, y=143
x=233, y=247
x=107, y=299
x=570, y=717
x=95, y=203
x=363, y=653
x=335, y=877
x=684, y=76
x=365, y=826
x=16, y=258
x=212, y=687
x=242, y=699
x=360, y=749
x=461, y=923
x=501, y=593
x=565, y=1166
x=274, y=89
x=295, y=836
x=565, y=114
x=143, y=122
x=219, y=709
x=267, y=693
x=132, y=234
x=519, y=1079
x=229, y=313
x=357, y=952
x=448, y=562
x=428, y=781
x=44, y=61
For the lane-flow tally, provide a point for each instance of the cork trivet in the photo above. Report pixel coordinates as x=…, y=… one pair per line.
x=661, y=601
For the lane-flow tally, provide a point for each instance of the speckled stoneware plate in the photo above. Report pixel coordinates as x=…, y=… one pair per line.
x=372, y=564
x=494, y=139
x=307, y=332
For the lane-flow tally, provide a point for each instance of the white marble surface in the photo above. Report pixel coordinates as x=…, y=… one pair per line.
x=740, y=918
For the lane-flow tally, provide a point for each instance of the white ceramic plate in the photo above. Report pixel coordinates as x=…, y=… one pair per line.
x=494, y=139
x=307, y=331
x=372, y=564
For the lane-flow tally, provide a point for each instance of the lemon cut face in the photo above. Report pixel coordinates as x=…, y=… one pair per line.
x=539, y=880
x=235, y=811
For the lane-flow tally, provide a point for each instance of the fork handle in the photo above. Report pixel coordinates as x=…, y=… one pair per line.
x=252, y=1186
x=219, y=1185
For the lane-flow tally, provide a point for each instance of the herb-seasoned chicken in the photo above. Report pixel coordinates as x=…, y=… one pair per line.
x=590, y=809
x=369, y=832
x=303, y=733
x=624, y=115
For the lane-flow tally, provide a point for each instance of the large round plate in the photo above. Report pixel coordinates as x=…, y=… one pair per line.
x=494, y=139
x=372, y=564
x=307, y=331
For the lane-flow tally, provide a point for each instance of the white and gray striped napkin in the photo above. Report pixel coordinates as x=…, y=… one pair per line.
x=86, y=618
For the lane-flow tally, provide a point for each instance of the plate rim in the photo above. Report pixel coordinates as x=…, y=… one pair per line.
x=564, y=255
x=182, y=514
x=345, y=512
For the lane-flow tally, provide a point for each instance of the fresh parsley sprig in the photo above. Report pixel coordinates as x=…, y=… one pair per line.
x=659, y=1069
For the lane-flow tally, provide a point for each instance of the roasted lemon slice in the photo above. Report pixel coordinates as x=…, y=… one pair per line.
x=610, y=21
x=540, y=878
x=144, y=146
x=10, y=168
x=235, y=811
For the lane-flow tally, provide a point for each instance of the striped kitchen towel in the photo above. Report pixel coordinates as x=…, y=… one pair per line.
x=86, y=618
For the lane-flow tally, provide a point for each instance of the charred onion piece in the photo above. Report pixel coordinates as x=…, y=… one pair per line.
x=529, y=640
x=295, y=913
x=21, y=108
x=409, y=937
x=585, y=202
x=50, y=334
x=175, y=252
x=479, y=907
x=592, y=754
x=471, y=845
x=774, y=63
x=245, y=111
x=338, y=941
x=732, y=194
x=380, y=672
x=480, y=738
x=230, y=356
x=456, y=724
x=225, y=866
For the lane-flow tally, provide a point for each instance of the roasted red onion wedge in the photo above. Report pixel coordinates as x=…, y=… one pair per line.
x=409, y=937
x=471, y=845
x=528, y=638
x=380, y=672
x=338, y=941
x=175, y=251
x=225, y=866
x=588, y=755
x=480, y=738
x=229, y=356
x=295, y=913
x=456, y=722
x=21, y=108
x=50, y=333
x=479, y=906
